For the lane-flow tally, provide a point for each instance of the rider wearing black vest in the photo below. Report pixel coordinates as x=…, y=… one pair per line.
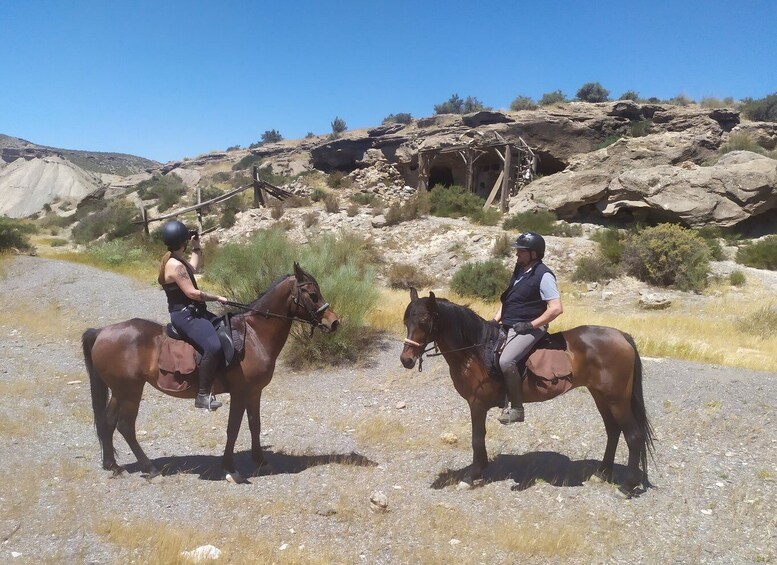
x=186, y=304
x=528, y=305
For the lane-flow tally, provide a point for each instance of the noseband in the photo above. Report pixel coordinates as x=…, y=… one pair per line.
x=316, y=315
x=423, y=346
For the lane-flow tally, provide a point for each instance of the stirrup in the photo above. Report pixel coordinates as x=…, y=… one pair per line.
x=511, y=415
x=210, y=403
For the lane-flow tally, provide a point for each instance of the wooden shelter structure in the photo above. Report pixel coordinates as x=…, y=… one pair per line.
x=485, y=167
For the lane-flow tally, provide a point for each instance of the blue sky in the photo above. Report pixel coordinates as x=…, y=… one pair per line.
x=169, y=79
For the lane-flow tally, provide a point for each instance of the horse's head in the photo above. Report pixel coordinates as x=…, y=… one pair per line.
x=310, y=305
x=421, y=323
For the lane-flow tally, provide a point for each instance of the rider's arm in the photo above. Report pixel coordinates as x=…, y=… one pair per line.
x=498, y=315
x=196, y=259
x=550, y=294
x=178, y=273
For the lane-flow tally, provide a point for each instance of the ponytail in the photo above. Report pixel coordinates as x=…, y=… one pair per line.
x=165, y=259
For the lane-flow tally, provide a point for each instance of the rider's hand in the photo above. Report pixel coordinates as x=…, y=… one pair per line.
x=222, y=299
x=522, y=327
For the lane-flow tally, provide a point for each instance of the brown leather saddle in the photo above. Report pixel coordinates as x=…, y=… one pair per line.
x=178, y=359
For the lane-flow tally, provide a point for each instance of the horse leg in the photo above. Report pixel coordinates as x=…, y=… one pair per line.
x=479, y=454
x=613, y=435
x=106, y=437
x=128, y=413
x=254, y=424
x=236, y=410
x=635, y=439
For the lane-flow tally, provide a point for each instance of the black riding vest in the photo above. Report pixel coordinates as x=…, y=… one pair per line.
x=521, y=302
x=176, y=299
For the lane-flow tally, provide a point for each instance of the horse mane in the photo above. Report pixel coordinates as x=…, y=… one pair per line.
x=276, y=282
x=463, y=324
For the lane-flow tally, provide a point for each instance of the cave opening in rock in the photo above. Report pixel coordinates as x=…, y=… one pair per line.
x=547, y=164
x=440, y=175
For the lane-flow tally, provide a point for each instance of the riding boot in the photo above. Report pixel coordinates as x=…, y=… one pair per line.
x=514, y=384
x=204, y=398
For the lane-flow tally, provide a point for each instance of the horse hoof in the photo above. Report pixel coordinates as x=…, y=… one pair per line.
x=154, y=477
x=627, y=494
x=235, y=478
x=596, y=479
x=464, y=485
x=117, y=472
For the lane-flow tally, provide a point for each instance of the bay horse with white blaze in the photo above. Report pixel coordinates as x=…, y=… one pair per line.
x=123, y=357
x=605, y=360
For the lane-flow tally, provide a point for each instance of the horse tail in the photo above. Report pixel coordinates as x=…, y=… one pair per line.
x=640, y=413
x=97, y=385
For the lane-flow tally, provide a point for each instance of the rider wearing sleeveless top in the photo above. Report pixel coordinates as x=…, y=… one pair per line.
x=186, y=304
x=529, y=304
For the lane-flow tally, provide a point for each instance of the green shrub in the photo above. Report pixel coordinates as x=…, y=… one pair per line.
x=760, y=255
x=339, y=179
x=761, y=323
x=668, y=255
x=455, y=105
x=564, y=229
x=555, y=97
x=712, y=236
x=763, y=109
x=318, y=194
x=595, y=269
x=394, y=214
x=453, y=202
x=522, y=103
x=610, y=244
x=488, y=217
x=737, y=278
x=271, y=136
x=401, y=118
x=14, y=234
x=228, y=218
x=681, y=100
x=133, y=250
x=630, y=95
x=404, y=276
x=740, y=142
x=484, y=280
x=331, y=203
x=640, y=128
x=338, y=125
x=710, y=103
x=609, y=140
x=352, y=210
x=57, y=242
x=115, y=221
x=52, y=220
x=503, y=246
x=296, y=201
x=277, y=211
x=593, y=92
x=541, y=222
x=310, y=219
x=363, y=198
x=247, y=162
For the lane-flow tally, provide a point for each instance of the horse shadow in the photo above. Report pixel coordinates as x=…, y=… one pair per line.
x=530, y=468
x=208, y=467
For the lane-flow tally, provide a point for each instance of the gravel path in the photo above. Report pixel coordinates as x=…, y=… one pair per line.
x=334, y=437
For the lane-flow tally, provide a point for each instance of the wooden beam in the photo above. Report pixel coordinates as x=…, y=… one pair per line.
x=506, y=173
x=499, y=154
x=494, y=190
x=219, y=198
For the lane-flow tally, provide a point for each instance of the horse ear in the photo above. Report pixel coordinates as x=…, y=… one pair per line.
x=298, y=272
x=431, y=295
x=432, y=302
x=413, y=294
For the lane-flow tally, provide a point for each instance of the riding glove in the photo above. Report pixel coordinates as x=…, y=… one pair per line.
x=522, y=327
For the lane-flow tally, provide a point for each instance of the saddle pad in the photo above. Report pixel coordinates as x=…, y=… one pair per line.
x=176, y=365
x=549, y=363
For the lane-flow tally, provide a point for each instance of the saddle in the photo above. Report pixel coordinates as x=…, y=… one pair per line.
x=548, y=368
x=178, y=359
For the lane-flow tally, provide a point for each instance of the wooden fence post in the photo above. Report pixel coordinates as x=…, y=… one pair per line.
x=258, y=193
x=507, y=172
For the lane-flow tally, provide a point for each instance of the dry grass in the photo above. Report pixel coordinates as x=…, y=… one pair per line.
x=40, y=319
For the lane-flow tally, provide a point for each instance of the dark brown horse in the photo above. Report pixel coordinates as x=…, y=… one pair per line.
x=604, y=360
x=123, y=357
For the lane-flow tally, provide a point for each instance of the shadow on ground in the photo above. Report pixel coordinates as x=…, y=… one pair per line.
x=527, y=469
x=208, y=467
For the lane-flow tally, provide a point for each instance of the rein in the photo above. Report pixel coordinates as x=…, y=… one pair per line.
x=434, y=347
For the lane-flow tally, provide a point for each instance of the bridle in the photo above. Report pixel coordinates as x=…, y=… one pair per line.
x=316, y=315
x=431, y=344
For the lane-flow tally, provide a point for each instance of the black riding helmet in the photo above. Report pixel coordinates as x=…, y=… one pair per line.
x=174, y=234
x=531, y=241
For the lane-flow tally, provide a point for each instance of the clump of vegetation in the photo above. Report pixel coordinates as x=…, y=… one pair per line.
x=741, y=142
x=271, y=136
x=541, y=222
x=761, y=323
x=363, y=198
x=762, y=109
x=681, y=100
x=564, y=229
x=297, y=201
x=128, y=252
x=712, y=236
x=593, y=92
x=522, y=103
x=167, y=188
x=277, y=210
x=486, y=279
x=339, y=179
x=404, y=276
x=114, y=221
x=318, y=194
x=247, y=162
x=331, y=203
x=352, y=210
x=760, y=254
x=456, y=105
x=641, y=128
x=15, y=234
x=594, y=268
x=610, y=244
x=338, y=125
x=401, y=118
x=737, y=278
x=609, y=140
x=632, y=95
x=417, y=206
x=550, y=98
x=454, y=202
x=488, y=217
x=310, y=219
x=503, y=246
x=668, y=255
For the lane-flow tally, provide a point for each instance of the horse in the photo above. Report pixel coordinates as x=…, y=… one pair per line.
x=603, y=359
x=123, y=357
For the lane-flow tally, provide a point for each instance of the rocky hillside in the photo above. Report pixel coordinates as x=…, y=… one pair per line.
x=32, y=176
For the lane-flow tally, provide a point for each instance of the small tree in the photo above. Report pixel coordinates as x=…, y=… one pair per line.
x=338, y=125
x=272, y=136
x=401, y=118
x=630, y=95
x=593, y=92
x=762, y=110
x=522, y=103
x=555, y=97
x=455, y=105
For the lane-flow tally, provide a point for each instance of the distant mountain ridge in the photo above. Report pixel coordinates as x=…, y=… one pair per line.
x=121, y=164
